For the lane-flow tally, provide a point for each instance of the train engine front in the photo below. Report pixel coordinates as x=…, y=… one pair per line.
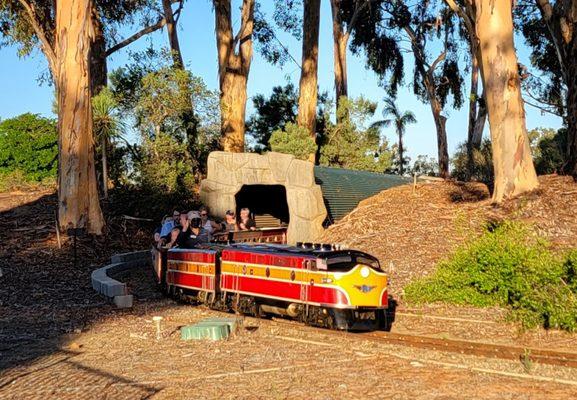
x=361, y=285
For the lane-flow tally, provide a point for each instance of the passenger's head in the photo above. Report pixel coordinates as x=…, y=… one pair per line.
x=184, y=220
x=203, y=211
x=176, y=216
x=244, y=213
x=194, y=219
x=230, y=216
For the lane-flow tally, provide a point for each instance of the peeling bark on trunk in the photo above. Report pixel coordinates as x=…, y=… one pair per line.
x=512, y=162
x=77, y=190
x=308, y=90
x=233, y=70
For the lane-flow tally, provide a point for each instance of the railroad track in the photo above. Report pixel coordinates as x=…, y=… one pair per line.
x=479, y=349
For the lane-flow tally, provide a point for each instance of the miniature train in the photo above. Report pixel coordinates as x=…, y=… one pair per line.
x=319, y=285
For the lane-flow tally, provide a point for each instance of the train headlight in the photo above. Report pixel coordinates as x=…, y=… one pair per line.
x=365, y=272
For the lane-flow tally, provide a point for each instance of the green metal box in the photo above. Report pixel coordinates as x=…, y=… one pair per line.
x=210, y=328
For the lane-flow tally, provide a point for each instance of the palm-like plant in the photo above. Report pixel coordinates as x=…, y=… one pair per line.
x=107, y=125
x=400, y=119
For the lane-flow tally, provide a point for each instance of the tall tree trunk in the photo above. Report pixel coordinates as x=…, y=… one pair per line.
x=560, y=17
x=104, y=167
x=440, y=126
x=233, y=70
x=401, y=151
x=477, y=116
x=98, y=64
x=571, y=163
x=512, y=162
x=340, y=41
x=473, y=98
x=77, y=190
x=308, y=91
x=172, y=33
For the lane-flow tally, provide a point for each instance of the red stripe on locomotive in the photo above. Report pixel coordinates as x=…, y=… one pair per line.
x=283, y=290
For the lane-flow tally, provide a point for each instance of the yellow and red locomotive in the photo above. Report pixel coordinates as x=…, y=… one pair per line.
x=317, y=284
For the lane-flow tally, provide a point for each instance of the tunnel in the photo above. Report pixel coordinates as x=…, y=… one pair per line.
x=267, y=203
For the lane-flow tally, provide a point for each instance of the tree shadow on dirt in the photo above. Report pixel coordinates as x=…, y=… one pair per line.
x=469, y=192
x=46, y=298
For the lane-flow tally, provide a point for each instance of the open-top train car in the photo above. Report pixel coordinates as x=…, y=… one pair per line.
x=316, y=284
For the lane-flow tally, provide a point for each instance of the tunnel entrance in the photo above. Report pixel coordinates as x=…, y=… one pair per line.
x=267, y=203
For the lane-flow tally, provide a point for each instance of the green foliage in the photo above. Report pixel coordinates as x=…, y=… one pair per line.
x=294, y=140
x=29, y=144
x=548, y=146
x=166, y=165
x=481, y=168
x=425, y=165
x=507, y=266
x=168, y=100
x=399, y=120
x=274, y=112
x=348, y=144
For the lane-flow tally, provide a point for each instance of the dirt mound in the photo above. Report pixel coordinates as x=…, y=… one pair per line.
x=410, y=228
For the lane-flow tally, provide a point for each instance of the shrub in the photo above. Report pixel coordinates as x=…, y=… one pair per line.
x=29, y=144
x=481, y=167
x=293, y=139
x=507, y=266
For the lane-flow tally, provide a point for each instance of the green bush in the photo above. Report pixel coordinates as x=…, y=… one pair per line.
x=507, y=266
x=29, y=144
x=481, y=167
x=293, y=139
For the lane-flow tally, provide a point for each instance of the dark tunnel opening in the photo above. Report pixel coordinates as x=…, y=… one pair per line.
x=267, y=203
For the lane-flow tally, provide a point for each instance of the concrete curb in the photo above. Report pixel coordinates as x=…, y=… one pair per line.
x=109, y=287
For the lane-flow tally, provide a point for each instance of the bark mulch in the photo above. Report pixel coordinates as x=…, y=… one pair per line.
x=411, y=228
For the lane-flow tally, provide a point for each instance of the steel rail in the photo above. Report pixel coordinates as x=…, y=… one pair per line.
x=469, y=347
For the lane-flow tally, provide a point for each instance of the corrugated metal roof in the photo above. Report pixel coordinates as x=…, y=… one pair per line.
x=343, y=189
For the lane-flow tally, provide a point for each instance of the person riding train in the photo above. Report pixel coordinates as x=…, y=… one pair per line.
x=192, y=233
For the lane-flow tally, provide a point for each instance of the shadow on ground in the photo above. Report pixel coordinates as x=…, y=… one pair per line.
x=46, y=299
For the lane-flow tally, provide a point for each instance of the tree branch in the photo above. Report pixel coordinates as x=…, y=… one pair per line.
x=356, y=13
x=46, y=45
x=149, y=29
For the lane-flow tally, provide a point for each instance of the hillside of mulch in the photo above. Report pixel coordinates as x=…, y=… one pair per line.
x=411, y=228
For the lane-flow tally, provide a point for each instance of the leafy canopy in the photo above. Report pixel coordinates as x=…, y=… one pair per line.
x=293, y=139
x=29, y=143
x=350, y=144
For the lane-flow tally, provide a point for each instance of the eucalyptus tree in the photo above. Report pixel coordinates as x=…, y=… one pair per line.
x=400, y=120
x=429, y=30
x=308, y=86
x=512, y=162
x=346, y=14
x=234, y=59
x=513, y=167
x=550, y=28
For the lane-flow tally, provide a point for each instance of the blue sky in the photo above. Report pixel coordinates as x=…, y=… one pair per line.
x=21, y=92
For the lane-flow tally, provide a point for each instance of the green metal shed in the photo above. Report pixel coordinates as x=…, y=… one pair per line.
x=343, y=189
